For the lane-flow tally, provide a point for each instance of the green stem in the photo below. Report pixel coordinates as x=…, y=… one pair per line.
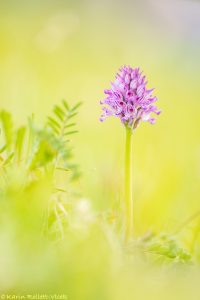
x=128, y=185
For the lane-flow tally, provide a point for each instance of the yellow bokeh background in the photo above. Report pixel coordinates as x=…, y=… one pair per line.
x=56, y=49
x=71, y=49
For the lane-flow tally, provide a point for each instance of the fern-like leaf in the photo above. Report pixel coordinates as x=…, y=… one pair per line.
x=7, y=128
x=59, y=121
x=62, y=126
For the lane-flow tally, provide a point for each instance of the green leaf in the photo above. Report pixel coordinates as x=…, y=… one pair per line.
x=20, y=142
x=69, y=125
x=71, y=115
x=8, y=159
x=59, y=113
x=63, y=169
x=7, y=127
x=66, y=105
x=60, y=123
x=45, y=154
x=76, y=106
x=3, y=149
x=70, y=132
x=30, y=137
x=54, y=122
x=54, y=128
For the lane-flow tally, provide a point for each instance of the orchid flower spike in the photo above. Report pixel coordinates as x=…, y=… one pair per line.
x=129, y=99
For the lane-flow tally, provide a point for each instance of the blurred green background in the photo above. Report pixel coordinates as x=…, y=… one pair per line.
x=52, y=50
x=55, y=49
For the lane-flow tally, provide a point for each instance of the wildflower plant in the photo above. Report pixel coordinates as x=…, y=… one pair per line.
x=131, y=101
x=34, y=157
